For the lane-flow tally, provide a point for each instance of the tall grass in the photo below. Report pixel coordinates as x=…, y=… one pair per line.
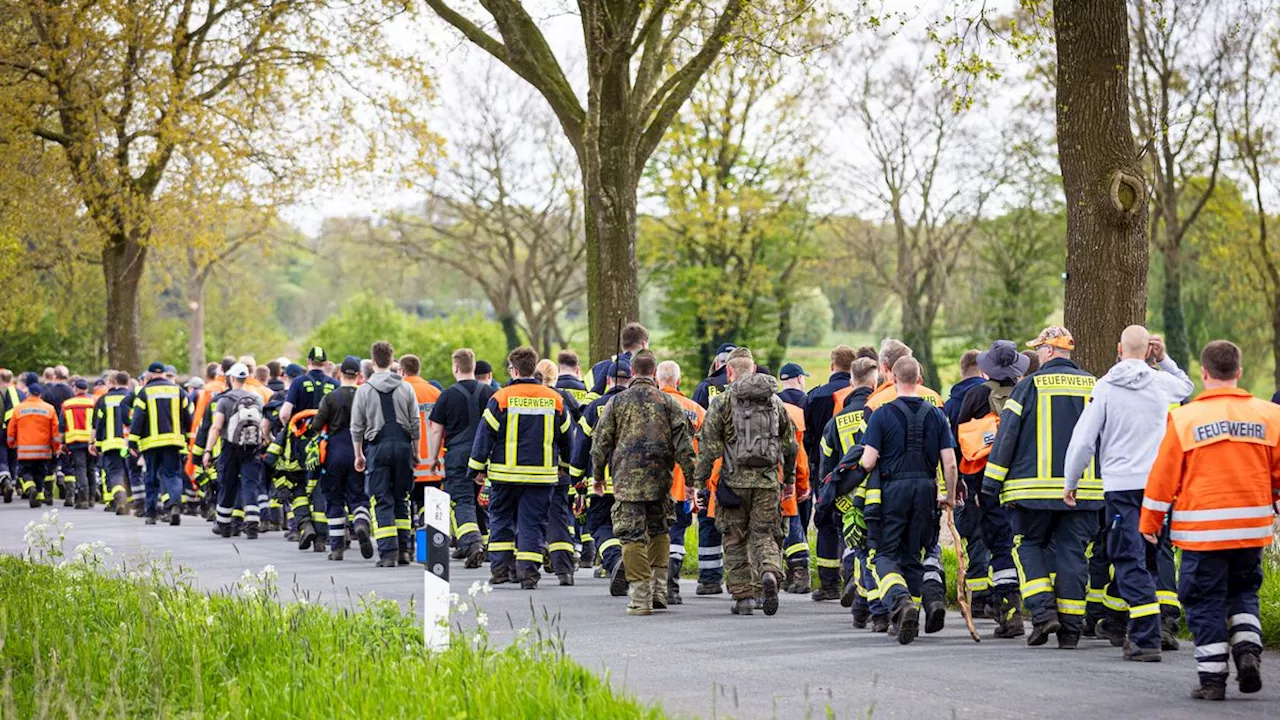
x=76, y=642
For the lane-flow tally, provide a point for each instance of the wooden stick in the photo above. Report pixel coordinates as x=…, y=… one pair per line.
x=962, y=588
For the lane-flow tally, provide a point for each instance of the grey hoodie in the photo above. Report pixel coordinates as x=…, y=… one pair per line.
x=366, y=409
x=1124, y=423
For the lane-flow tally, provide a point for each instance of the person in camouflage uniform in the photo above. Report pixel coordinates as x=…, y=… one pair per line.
x=752, y=528
x=641, y=436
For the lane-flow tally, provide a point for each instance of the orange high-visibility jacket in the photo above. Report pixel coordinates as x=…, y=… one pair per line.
x=33, y=430
x=427, y=395
x=694, y=412
x=213, y=387
x=77, y=419
x=791, y=505
x=1219, y=470
x=888, y=392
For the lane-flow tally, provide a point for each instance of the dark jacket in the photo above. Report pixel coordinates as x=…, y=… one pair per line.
x=710, y=387
x=1028, y=459
x=817, y=413
x=844, y=430
x=951, y=408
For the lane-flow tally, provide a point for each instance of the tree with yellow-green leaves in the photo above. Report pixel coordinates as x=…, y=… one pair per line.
x=136, y=97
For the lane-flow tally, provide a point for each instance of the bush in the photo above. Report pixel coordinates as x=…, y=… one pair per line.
x=811, y=318
x=148, y=645
x=366, y=318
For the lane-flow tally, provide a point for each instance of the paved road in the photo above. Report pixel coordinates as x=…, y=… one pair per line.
x=698, y=660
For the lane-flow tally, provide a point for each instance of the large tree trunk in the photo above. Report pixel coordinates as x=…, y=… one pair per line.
x=1106, y=284
x=1176, y=339
x=195, y=325
x=511, y=329
x=917, y=333
x=783, y=338
x=123, y=262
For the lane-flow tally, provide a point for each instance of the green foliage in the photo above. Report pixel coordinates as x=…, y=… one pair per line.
x=367, y=318
x=811, y=318
x=151, y=645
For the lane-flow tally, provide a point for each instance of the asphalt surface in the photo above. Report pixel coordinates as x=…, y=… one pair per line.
x=698, y=660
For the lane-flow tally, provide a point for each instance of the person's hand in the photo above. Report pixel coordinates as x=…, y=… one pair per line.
x=788, y=491
x=93, y=450
x=1069, y=497
x=946, y=501
x=691, y=495
x=360, y=462
x=481, y=477
x=207, y=459
x=1156, y=349
x=597, y=487
x=1151, y=538
x=435, y=467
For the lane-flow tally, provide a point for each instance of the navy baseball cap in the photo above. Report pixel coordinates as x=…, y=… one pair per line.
x=792, y=370
x=156, y=367
x=35, y=389
x=620, y=368
x=351, y=365
x=726, y=348
x=295, y=370
x=81, y=384
x=170, y=370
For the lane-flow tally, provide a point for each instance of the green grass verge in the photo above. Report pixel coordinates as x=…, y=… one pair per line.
x=78, y=643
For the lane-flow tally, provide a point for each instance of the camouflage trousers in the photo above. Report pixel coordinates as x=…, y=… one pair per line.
x=752, y=533
x=641, y=526
x=637, y=521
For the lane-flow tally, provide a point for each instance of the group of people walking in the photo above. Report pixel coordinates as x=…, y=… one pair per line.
x=1069, y=492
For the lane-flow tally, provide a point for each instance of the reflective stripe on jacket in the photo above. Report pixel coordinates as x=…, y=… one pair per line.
x=1218, y=469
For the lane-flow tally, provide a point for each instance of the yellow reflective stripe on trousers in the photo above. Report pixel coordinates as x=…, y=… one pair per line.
x=560, y=547
x=1070, y=607
x=465, y=528
x=828, y=563
x=1036, y=586
x=610, y=543
x=529, y=556
x=795, y=548
x=1141, y=611
x=1168, y=597
x=502, y=546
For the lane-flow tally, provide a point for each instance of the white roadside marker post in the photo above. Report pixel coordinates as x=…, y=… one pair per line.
x=433, y=553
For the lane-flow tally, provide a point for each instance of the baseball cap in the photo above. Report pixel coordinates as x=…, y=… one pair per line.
x=238, y=371
x=1054, y=336
x=81, y=384
x=791, y=370
x=156, y=367
x=1002, y=361
x=725, y=348
x=316, y=354
x=195, y=383
x=351, y=365
x=170, y=370
x=295, y=370
x=35, y=389
x=620, y=368
x=483, y=367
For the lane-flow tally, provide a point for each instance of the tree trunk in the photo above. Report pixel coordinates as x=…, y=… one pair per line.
x=511, y=330
x=783, y=339
x=918, y=335
x=123, y=262
x=195, y=325
x=1176, y=340
x=1106, y=283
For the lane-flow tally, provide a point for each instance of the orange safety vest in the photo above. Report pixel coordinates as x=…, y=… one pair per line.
x=1218, y=469
x=888, y=392
x=33, y=430
x=791, y=505
x=426, y=395
x=77, y=417
x=696, y=414
x=976, y=438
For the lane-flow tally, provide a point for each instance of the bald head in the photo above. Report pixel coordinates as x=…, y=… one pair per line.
x=1134, y=342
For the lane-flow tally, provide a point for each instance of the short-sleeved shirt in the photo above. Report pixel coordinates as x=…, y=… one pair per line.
x=298, y=396
x=887, y=433
x=228, y=400
x=452, y=412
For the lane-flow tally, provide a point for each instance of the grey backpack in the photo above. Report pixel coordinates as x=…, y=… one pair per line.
x=756, y=444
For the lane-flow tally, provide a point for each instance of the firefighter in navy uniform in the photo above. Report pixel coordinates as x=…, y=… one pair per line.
x=570, y=381
x=517, y=453
x=307, y=503
x=110, y=444
x=76, y=422
x=841, y=434
x=10, y=396
x=633, y=338
x=1026, y=468
x=581, y=469
x=818, y=412
x=160, y=412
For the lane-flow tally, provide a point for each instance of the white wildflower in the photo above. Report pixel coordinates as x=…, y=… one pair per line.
x=209, y=621
x=463, y=609
x=482, y=619
x=454, y=600
x=474, y=589
x=486, y=588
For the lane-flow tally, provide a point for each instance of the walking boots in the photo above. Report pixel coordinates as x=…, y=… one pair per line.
x=799, y=579
x=673, y=582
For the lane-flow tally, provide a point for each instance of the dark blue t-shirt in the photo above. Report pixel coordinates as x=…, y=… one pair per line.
x=887, y=433
x=298, y=396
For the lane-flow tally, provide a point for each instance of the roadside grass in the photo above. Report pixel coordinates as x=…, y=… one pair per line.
x=81, y=640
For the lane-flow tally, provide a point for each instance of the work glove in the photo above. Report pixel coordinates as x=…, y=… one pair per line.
x=853, y=524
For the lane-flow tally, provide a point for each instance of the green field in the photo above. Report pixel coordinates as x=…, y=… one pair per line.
x=75, y=643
